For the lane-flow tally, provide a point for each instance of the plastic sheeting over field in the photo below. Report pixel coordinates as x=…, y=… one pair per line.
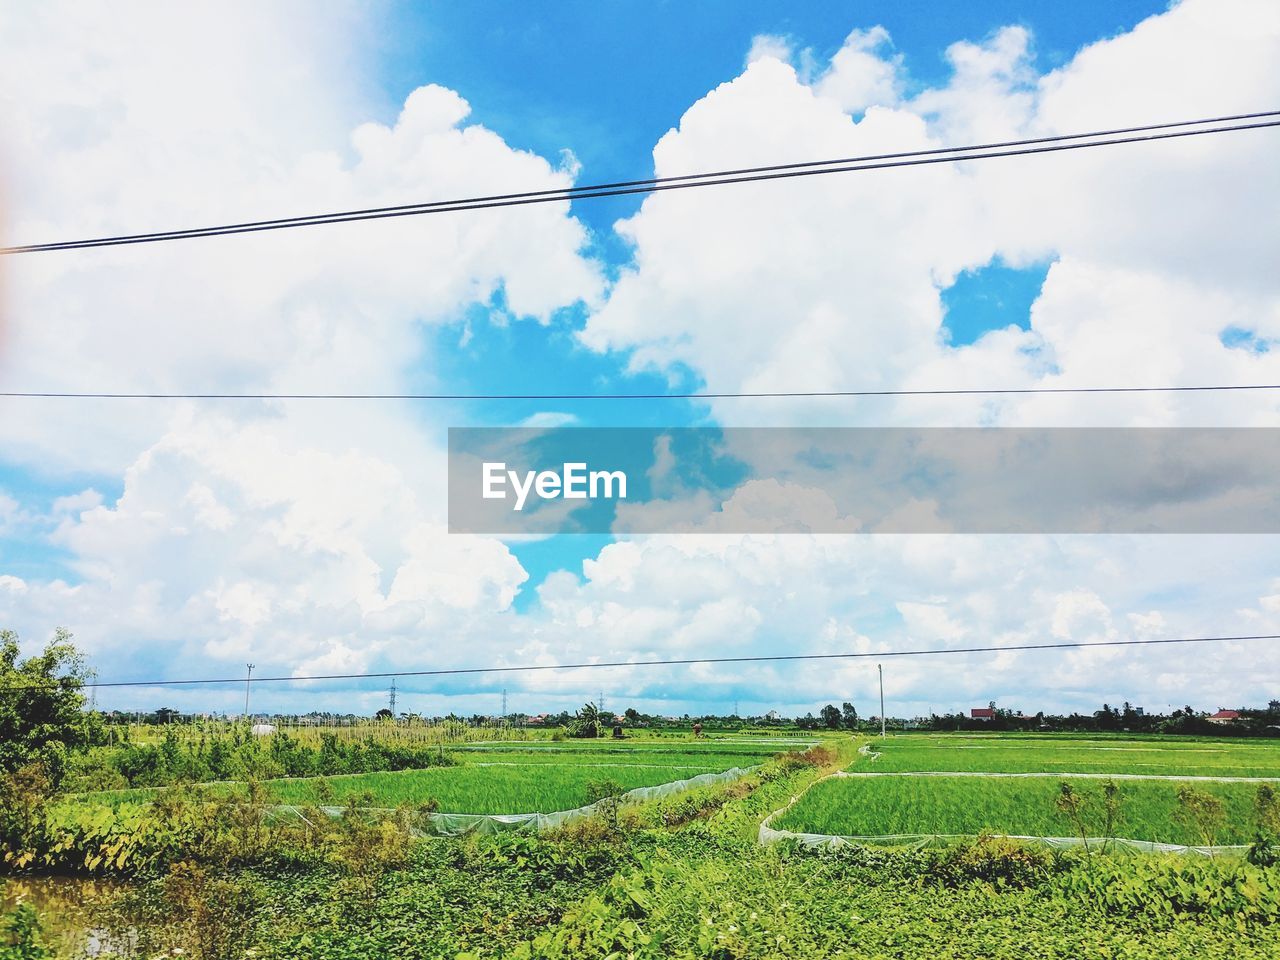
x=456, y=824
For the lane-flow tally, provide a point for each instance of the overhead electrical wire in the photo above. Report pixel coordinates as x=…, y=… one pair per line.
x=689, y=661
x=1009, y=148
x=748, y=395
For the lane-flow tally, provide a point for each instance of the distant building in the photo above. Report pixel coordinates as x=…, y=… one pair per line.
x=773, y=715
x=262, y=729
x=539, y=721
x=982, y=713
x=1225, y=716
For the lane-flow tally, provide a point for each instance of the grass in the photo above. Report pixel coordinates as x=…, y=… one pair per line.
x=1014, y=753
x=517, y=778
x=879, y=806
x=533, y=788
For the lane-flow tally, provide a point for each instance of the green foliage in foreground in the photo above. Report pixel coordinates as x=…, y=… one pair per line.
x=20, y=937
x=722, y=903
x=1148, y=809
x=684, y=878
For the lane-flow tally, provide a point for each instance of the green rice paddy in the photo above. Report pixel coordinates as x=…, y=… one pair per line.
x=508, y=778
x=1148, y=772
x=533, y=788
x=880, y=806
x=1060, y=753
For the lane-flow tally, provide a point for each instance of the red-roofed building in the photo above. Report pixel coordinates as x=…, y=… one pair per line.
x=982, y=713
x=1225, y=716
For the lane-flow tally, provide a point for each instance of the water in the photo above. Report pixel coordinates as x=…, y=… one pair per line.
x=67, y=907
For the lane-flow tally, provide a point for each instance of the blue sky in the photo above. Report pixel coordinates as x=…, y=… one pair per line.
x=225, y=528
x=607, y=86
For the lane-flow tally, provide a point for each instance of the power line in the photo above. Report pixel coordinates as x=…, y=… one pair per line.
x=744, y=395
x=774, y=658
x=1008, y=148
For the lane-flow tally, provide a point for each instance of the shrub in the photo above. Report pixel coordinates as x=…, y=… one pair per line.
x=996, y=860
x=20, y=935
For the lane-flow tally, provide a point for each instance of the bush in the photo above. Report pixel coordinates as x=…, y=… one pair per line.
x=997, y=860
x=20, y=937
x=1166, y=887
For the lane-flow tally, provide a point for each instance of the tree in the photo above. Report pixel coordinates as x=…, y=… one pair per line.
x=586, y=723
x=383, y=714
x=830, y=717
x=42, y=716
x=849, y=715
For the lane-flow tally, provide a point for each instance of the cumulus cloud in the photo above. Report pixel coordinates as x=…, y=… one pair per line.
x=304, y=536
x=1156, y=251
x=309, y=537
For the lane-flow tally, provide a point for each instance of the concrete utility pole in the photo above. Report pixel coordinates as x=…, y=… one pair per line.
x=880, y=668
x=248, y=677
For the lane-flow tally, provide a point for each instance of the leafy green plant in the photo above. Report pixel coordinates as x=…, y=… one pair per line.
x=20, y=935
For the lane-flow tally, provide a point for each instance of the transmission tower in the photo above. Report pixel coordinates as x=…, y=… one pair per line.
x=393, y=698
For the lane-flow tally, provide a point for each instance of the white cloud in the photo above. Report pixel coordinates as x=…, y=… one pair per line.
x=308, y=536
x=769, y=46
x=836, y=283
x=303, y=535
x=860, y=76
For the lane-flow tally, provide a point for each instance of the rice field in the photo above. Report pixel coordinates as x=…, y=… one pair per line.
x=533, y=788
x=880, y=806
x=506, y=778
x=900, y=787
x=1022, y=753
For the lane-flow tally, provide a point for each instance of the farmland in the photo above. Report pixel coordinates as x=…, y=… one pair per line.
x=1065, y=753
x=683, y=875
x=877, y=806
x=519, y=778
x=530, y=781
x=1012, y=785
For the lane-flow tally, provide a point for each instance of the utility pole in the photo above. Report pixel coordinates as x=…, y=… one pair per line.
x=880, y=668
x=247, y=678
x=393, y=698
